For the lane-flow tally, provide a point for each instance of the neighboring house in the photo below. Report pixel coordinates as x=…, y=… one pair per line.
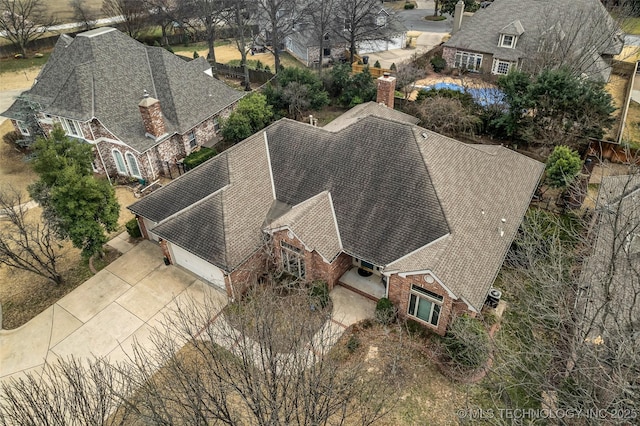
x=611, y=276
x=142, y=107
x=428, y=218
x=524, y=34
x=385, y=34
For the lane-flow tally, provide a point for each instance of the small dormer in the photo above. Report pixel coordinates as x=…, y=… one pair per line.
x=381, y=18
x=509, y=35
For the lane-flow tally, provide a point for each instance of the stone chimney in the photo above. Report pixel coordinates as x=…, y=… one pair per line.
x=386, y=90
x=457, y=17
x=152, y=116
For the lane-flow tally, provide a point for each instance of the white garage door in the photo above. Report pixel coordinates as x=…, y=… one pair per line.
x=197, y=265
x=150, y=225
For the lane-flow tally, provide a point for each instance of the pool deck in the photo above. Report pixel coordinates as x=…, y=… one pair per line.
x=466, y=81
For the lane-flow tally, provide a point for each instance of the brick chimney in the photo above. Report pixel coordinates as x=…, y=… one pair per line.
x=386, y=90
x=152, y=116
x=457, y=17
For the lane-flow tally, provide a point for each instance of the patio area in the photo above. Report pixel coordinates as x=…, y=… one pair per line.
x=370, y=287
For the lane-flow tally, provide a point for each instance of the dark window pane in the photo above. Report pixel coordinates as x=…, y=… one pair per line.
x=436, y=314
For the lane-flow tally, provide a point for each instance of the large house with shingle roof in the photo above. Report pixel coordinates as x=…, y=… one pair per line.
x=371, y=202
x=142, y=107
x=535, y=34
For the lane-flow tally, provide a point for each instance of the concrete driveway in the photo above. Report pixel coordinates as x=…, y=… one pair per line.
x=122, y=303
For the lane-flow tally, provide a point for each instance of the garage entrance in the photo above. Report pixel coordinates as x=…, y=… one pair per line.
x=197, y=265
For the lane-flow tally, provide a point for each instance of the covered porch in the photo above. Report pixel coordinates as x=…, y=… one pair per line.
x=370, y=286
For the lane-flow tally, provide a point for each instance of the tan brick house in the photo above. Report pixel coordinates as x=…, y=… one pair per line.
x=371, y=202
x=532, y=35
x=142, y=107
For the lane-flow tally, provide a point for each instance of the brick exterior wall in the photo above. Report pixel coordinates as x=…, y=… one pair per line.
x=143, y=228
x=386, y=90
x=449, y=55
x=238, y=281
x=315, y=266
x=152, y=117
x=400, y=288
x=106, y=153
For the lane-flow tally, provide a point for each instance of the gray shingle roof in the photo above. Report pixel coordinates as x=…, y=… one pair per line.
x=313, y=222
x=585, y=24
x=383, y=197
x=103, y=73
x=184, y=191
x=223, y=227
x=404, y=198
x=368, y=109
x=478, y=186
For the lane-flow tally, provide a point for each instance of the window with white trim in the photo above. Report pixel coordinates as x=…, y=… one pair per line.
x=293, y=260
x=192, y=139
x=501, y=67
x=24, y=129
x=425, y=305
x=381, y=20
x=507, y=41
x=133, y=165
x=71, y=127
x=119, y=160
x=469, y=61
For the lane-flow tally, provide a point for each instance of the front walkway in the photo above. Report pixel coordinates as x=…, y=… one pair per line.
x=122, y=304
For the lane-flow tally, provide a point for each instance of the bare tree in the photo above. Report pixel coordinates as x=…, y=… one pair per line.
x=445, y=115
x=209, y=14
x=362, y=21
x=281, y=16
x=237, y=17
x=320, y=21
x=23, y=21
x=407, y=73
x=84, y=14
x=297, y=96
x=573, y=285
x=164, y=13
x=26, y=244
x=262, y=361
x=580, y=41
x=133, y=12
x=70, y=392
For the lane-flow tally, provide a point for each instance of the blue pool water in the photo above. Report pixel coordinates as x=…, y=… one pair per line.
x=483, y=96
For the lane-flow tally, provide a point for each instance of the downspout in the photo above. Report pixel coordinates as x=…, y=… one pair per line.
x=153, y=172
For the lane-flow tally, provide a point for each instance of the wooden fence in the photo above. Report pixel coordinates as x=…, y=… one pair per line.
x=614, y=152
x=255, y=76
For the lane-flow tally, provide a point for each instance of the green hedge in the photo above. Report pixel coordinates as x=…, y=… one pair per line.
x=196, y=158
x=133, y=229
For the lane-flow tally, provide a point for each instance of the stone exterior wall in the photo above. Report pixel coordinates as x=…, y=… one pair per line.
x=449, y=55
x=315, y=266
x=105, y=152
x=400, y=288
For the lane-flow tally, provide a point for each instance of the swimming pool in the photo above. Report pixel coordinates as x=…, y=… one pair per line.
x=484, y=96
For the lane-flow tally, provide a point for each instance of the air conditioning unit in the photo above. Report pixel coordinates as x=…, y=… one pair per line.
x=493, y=298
